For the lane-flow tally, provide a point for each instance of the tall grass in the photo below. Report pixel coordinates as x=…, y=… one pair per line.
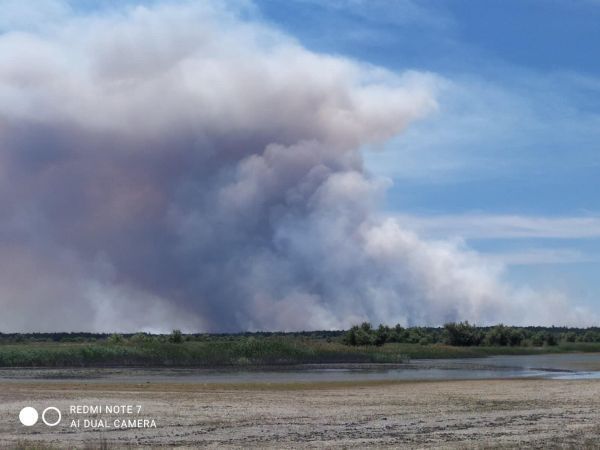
x=240, y=352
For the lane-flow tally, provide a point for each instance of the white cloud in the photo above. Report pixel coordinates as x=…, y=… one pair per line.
x=540, y=256
x=485, y=226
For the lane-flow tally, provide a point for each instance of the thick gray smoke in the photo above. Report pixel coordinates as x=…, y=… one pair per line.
x=179, y=166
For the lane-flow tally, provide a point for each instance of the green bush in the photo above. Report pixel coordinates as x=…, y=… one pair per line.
x=115, y=339
x=141, y=338
x=176, y=337
x=360, y=335
x=398, y=334
x=462, y=334
x=381, y=335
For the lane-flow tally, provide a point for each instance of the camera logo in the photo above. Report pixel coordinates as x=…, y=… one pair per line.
x=29, y=416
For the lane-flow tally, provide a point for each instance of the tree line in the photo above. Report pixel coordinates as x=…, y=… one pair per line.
x=461, y=334
x=465, y=334
x=174, y=336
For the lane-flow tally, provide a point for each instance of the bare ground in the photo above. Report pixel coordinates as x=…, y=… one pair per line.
x=521, y=413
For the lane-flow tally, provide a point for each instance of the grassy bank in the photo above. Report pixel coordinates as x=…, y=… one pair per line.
x=244, y=352
x=215, y=353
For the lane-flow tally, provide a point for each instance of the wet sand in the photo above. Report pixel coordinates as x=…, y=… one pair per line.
x=535, y=413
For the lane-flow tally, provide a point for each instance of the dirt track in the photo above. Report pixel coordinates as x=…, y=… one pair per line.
x=449, y=414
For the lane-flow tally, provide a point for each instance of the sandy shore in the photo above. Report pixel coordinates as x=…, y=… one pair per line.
x=449, y=414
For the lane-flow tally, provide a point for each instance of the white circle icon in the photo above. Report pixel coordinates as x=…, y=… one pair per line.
x=28, y=416
x=50, y=424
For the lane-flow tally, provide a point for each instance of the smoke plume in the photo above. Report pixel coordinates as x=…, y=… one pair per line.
x=185, y=165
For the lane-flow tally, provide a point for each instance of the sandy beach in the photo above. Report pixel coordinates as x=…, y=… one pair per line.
x=447, y=414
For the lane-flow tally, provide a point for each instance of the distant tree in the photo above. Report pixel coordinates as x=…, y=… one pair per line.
x=516, y=337
x=537, y=339
x=550, y=339
x=462, y=334
x=425, y=340
x=115, y=339
x=501, y=335
x=364, y=338
x=349, y=337
x=362, y=334
x=398, y=334
x=497, y=336
x=381, y=335
x=590, y=336
x=141, y=338
x=176, y=337
x=366, y=327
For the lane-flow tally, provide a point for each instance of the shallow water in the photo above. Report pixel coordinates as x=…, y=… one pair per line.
x=556, y=366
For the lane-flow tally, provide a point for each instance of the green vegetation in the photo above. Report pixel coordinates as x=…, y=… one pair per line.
x=178, y=350
x=463, y=334
x=360, y=344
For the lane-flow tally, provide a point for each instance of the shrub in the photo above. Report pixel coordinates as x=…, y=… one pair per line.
x=366, y=327
x=176, y=337
x=497, y=336
x=550, y=339
x=349, y=337
x=462, y=334
x=398, y=334
x=381, y=335
x=363, y=337
x=416, y=334
x=115, y=339
x=516, y=337
x=425, y=341
x=589, y=336
x=141, y=338
x=537, y=339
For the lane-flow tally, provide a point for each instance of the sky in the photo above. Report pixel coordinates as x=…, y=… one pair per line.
x=300, y=164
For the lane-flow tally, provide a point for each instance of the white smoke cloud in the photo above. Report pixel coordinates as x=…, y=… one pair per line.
x=180, y=166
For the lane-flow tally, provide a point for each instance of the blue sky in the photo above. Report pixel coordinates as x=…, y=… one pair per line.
x=517, y=134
